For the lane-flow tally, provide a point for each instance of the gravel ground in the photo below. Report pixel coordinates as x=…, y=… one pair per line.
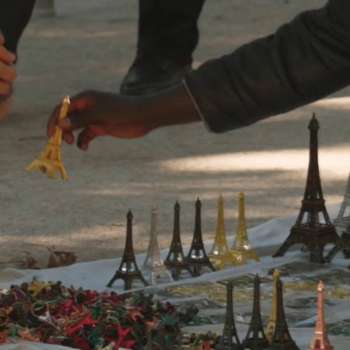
x=90, y=44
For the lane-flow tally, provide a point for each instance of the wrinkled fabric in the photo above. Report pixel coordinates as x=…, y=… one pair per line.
x=305, y=60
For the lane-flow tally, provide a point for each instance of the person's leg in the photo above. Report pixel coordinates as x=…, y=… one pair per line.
x=177, y=32
x=167, y=37
x=14, y=17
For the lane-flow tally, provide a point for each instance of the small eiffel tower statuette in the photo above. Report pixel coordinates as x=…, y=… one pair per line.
x=343, y=218
x=241, y=249
x=153, y=265
x=271, y=324
x=320, y=338
x=50, y=159
x=175, y=260
x=229, y=339
x=308, y=229
x=281, y=338
x=128, y=270
x=256, y=339
x=220, y=254
x=342, y=245
x=197, y=257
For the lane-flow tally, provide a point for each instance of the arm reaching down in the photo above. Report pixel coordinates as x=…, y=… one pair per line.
x=305, y=60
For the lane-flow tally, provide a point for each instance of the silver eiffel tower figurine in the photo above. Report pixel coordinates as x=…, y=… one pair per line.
x=153, y=267
x=342, y=220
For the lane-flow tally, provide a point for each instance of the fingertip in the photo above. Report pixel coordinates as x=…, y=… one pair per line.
x=68, y=138
x=83, y=146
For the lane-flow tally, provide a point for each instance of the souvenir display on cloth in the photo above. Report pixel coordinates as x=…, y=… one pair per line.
x=84, y=319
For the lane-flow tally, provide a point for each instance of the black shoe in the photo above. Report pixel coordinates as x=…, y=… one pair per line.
x=148, y=76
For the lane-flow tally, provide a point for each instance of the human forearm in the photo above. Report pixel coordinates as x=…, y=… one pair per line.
x=303, y=61
x=172, y=106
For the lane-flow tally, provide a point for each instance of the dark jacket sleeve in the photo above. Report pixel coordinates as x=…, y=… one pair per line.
x=305, y=60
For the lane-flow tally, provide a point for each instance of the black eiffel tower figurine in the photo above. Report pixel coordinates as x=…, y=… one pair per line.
x=128, y=270
x=308, y=229
x=342, y=245
x=197, y=257
x=175, y=260
x=229, y=339
x=256, y=338
x=281, y=338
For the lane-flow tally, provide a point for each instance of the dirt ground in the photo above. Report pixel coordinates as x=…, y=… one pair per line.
x=90, y=45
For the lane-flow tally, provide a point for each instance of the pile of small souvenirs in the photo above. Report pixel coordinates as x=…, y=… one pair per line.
x=85, y=319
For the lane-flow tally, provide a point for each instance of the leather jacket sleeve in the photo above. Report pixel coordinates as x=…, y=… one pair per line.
x=305, y=60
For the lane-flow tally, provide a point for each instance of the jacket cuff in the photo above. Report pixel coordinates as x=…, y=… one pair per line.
x=215, y=118
x=184, y=83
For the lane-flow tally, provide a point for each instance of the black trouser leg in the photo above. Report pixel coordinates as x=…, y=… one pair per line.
x=14, y=17
x=168, y=29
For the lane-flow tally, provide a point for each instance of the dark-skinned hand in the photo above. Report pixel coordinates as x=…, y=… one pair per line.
x=99, y=114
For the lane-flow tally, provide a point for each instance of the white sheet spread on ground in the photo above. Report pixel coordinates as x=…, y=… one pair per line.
x=95, y=275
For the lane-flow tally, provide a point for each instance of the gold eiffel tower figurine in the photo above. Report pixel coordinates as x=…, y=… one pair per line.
x=50, y=159
x=270, y=328
x=220, y=254
x=241, y=249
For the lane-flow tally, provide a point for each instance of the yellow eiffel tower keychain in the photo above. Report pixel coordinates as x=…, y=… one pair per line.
x=50, y=159
x=241, y=249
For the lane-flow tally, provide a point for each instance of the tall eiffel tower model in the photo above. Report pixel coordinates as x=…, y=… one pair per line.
x=197, y=257
x=153, y=265
x=320, y=338
x=256, y=338
x=271, y=324
x=128, y=270
x=342, y=245
x=49, y=160
x=312, y=233
x=229, y=339
x=175, y=260
x=241, y=249
x=220, y=254
x=281, y=338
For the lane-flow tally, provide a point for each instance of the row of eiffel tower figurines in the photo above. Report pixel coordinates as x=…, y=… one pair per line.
x=196, y=259
x=276, y=335
x=312, y=233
